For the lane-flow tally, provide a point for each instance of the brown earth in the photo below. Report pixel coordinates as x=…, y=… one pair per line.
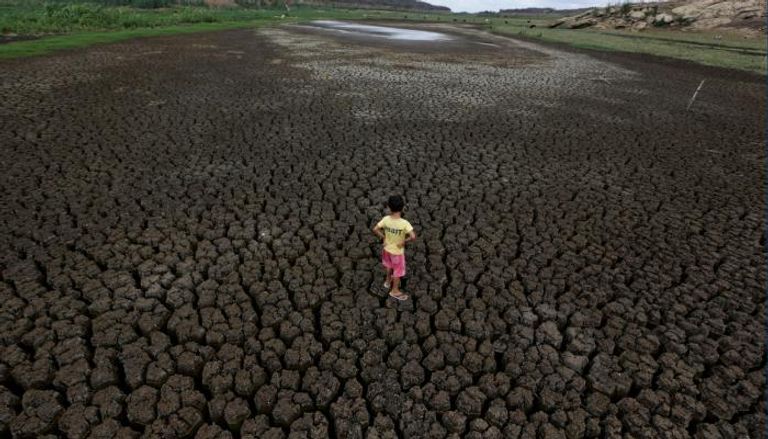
x=187, y=248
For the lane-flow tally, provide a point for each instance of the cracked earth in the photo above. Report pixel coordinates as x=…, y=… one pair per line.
x=186, y=245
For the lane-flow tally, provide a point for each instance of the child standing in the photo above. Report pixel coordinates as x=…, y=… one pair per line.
x=395, y=232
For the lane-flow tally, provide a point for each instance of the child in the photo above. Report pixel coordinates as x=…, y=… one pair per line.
x=396, y=232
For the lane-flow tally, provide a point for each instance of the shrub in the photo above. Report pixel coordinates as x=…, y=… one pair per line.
x=196, y=16
x=626, y=8
x=76, y=15
x=150, y=4
x=143, y=4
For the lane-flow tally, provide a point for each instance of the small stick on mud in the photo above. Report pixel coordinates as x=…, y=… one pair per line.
x=693, y=98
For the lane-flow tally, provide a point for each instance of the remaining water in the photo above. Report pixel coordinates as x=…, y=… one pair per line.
x=391, y=33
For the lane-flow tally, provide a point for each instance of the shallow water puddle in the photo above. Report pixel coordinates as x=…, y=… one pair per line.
x=391, y=33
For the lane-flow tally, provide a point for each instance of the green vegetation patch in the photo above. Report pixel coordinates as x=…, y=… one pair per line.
x=71, y=41
x=700, y=47
x=60, y=17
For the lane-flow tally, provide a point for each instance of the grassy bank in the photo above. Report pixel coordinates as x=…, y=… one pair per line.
x=36, y=18
x=730, y=51
x=83, y=39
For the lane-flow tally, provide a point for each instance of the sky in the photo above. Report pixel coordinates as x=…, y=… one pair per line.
x=494, y=5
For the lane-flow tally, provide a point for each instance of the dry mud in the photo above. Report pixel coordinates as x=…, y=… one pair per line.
x=186, y=246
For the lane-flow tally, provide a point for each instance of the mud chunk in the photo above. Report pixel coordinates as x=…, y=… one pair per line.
x=635, y=416
x=310, y=426
x=497, y=413
x=40, y=410
x=440, y=401
x=576, y=363
x=286, y=409
x=190, y=363
x=454, y=421
x=134, y=361
x=244, y=383
x=520, y=398
x=322, y=386
x=158, y=371
x=217, y=404
x=386, y=395
x=435, y=360
x=216, y=378
x=606, y=376
x=349, y=416
x=265, y=399
x=140, y=405
x=179, y=392
x=412, y=374
x=470, y=401
x=417, y=420
x=33, y=375
x=208, y=431
x=109, y=401
x=494, y=385
x=353, y=388
x=575, y=425
x=547, y=332
x=598, y=403
x=549, y=430
x=255, y=427
x=104, y=374
x=236, y=412
x=8, y=407
x=76, y=421
x=382, y=428
x=111, y=428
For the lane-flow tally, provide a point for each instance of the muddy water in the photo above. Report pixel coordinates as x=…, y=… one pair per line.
x=391, y=33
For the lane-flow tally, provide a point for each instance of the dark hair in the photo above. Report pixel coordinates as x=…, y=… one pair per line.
x=395, y=203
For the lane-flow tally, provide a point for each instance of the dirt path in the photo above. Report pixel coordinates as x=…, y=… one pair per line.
x=187, y=248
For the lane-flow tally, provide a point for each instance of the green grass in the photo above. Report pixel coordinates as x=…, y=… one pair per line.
x=64, y=24
x=730, y=51
x=83, y=39
x=57, y=18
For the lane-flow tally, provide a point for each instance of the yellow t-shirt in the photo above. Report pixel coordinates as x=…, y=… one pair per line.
x=395, y=231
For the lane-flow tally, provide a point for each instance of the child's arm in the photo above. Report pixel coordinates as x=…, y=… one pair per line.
x=411, y=237
x=377, y=232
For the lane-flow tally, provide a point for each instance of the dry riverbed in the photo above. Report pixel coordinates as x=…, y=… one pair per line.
x=187, y=248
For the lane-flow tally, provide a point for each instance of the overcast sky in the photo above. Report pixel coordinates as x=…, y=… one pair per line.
x=494, y=5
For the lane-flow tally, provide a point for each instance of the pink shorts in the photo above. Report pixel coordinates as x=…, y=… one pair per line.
x=396, y=263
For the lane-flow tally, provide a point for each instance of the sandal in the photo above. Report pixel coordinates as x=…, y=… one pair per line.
x=401, y=297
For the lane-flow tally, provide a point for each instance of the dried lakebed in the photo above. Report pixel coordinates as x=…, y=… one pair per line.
x=187, y=248
x=388, y=32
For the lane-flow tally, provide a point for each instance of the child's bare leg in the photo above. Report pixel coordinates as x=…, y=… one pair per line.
x=396, y=293
x=388, y=280
x=396, y=286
